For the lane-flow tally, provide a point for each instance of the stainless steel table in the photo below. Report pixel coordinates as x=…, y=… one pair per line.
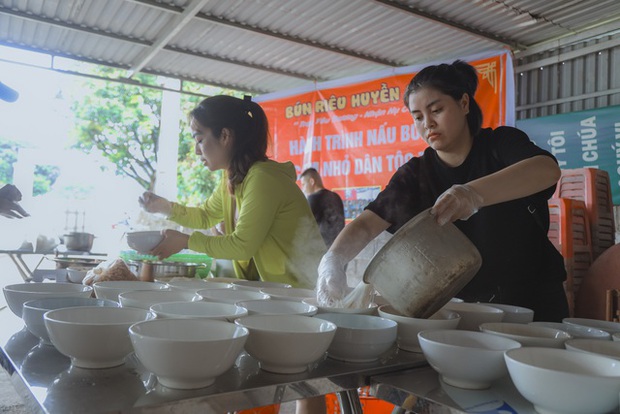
x=20, y=264
x=36, y=274
x=421, y=391
x=49, y=384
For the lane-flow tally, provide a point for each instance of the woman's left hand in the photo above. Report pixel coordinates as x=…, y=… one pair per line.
x=174, y=241
x=459, y=202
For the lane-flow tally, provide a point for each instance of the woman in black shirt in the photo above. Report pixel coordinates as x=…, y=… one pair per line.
x=493, y=184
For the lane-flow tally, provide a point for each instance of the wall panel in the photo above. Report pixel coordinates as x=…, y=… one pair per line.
x=569, y=79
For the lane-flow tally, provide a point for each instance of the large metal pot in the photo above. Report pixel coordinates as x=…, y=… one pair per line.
x=82, y=242
x=423, y=266
x=164, y=270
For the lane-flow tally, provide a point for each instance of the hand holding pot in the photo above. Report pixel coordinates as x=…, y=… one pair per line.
x=332, y=283
x=153, y=203
x=459, y=202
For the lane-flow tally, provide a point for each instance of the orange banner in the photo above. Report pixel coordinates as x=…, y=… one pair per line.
x=357, y=135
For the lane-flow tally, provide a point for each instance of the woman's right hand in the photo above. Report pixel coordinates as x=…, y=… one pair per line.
x=153, y=203
x=331, y=285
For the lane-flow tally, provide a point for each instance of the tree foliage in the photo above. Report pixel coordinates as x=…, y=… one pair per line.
x=44, y=175
x=122, y=122
x=8, y=157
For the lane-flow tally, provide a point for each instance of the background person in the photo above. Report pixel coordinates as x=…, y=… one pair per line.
x=493, y=184
x=326, y=205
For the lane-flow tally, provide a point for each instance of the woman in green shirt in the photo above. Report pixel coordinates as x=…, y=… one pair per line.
x=270, y=232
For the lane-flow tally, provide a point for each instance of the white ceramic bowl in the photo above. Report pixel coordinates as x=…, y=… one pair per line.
x=93, y=337
x=370, y=310
x=607, y=326
x=17, y=294
x=231, y=295
x=528, y=335
x=287, y=344
x=258, y=285
x=514, y=314
x=474, y=314
x=197, y=284
x=278, y=307
x=111, y=289
x=576, y=331
x=594, y=346
x=283, y=293
x=360, y=338
x=205, y=310
x=408, y=328
x=561, y=381
x=146, y=298
x=187, y=353
x=34, y=310
x=144, y=241
x=77, y=274
x=466, y=359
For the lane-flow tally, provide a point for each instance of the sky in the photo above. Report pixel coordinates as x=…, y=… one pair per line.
x=41, y=119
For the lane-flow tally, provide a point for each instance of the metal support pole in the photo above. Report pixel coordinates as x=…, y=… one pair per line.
x=349, y=401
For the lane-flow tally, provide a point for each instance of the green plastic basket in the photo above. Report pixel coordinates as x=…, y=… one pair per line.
x=130, y=255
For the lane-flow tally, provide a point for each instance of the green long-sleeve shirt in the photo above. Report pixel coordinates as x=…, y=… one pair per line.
x=275, y=226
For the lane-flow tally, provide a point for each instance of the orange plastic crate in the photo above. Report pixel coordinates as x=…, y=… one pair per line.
x=593, y=187
x=569, y=231
x=267, y=409
x=569, y=227
x=370, y=405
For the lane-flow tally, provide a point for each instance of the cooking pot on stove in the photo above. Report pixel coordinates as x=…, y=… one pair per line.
x=423, y=266
x=82, y=242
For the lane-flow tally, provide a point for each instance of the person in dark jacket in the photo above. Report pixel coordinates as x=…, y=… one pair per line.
x=326, y=205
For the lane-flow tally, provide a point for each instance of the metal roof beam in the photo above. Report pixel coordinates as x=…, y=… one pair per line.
x=71, y=26
x=455, y=25
x=124, y=67
x=602, y=29
x=244, y=64
x=573, y=54
x=221, y=21
x=143, y=42
x=178, y=23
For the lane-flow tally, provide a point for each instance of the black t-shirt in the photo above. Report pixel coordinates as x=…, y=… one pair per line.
x=328, y=211
x=516, y=253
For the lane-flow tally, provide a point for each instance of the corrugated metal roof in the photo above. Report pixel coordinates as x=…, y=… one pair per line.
x=274, y=45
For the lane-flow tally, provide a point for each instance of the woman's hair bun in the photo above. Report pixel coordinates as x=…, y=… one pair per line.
x=467, y=76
